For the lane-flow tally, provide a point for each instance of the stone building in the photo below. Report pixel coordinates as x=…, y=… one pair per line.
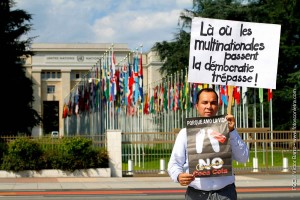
x=56, y=68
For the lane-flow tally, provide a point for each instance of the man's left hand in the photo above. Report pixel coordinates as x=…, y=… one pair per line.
x=231, y=122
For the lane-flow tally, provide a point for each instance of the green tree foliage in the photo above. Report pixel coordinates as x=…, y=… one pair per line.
x=174, y=53
x=17, y=92
x=283, y=12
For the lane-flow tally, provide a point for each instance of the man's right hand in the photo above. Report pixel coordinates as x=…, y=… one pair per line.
x=185, y=179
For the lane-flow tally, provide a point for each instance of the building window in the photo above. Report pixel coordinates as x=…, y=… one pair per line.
x=50, y=75
x=75, y=75
x=43, y=76
x=50, y=89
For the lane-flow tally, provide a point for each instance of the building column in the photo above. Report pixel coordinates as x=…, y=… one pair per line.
x=65, y=92
x=37, y=131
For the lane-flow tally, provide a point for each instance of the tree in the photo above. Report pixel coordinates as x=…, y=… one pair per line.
x=17, y=92
x=283, y=12
x=174, y=53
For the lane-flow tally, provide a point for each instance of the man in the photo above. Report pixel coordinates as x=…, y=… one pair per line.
x=215, y=188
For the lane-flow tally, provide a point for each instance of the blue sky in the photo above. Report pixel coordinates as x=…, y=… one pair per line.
x=134, y=22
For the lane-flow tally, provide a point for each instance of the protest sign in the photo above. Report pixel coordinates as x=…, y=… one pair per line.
x=234, y=53
x=208, y=145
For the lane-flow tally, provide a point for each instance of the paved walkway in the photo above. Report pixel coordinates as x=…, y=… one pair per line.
x=36, y=184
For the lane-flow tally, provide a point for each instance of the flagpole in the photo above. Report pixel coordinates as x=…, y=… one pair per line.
x=262, y=119
x=113, y=85
x=271, y=126
x=107, y=107
x=239, y=107
x=169, y=102
x=254, y=120
x=142, y=95
x=245, y=119
x=172, y=103
x=186, y=78
x=229, y=93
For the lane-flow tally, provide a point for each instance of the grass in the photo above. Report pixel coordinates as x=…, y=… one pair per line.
x=263, y=161
x=153, y=162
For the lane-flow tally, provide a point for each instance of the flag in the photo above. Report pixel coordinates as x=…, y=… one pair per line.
x=237, y=94
x=113, y=88
x=224, y=94
x=136, y=79
x=107, y=91
x=171, y=97
x=270, y=95
x=146, y=106
x=195, y=92
x=165, y=99
x=176, y=97
x=130, y=84
x=121, y=86
x=141, y=78
x=113, y=63
x=118, y=88
x=126, y=86
x=76, y=98
x=152, y=110
x=261, y=94
x=187, y=94
x=65, y=111
x=155, y=99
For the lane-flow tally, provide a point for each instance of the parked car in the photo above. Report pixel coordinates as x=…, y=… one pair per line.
x=54, y=134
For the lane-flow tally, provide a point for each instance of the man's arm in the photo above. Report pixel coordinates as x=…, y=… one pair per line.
x=240, y=151
x=178, y=156
x=177, y=164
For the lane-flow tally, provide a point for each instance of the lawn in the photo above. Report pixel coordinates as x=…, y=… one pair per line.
x=151, y=162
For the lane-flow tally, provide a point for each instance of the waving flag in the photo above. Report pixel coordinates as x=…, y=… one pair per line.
x=146, y=106
x=261, y=95
x=113, y=88
x=140, y=73
x=224, y=94
x=113, y=62
x=270, y=94
x=136, y=79
x=130, y=84
x=237, y=94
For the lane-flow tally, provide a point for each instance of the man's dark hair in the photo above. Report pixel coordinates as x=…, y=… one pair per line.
x=207, y=90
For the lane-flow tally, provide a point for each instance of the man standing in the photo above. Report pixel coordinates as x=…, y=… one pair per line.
x=215, y=188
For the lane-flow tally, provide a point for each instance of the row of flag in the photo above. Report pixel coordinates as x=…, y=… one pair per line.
x=122, y=86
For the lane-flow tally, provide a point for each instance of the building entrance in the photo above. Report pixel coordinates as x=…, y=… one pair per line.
x=50, y=116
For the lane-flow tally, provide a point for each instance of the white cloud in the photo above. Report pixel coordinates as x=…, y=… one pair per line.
x=133, y=22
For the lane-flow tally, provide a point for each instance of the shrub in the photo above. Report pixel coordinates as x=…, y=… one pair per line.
x=22, y=154
x=3, y=148
x=67, y=154
x=79, y=153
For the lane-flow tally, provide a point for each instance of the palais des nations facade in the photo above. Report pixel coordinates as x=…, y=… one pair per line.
x=56, y=68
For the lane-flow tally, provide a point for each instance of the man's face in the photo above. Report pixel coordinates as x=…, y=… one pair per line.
x=207, y=106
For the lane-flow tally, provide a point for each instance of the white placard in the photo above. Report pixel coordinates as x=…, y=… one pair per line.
x=234, y=53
